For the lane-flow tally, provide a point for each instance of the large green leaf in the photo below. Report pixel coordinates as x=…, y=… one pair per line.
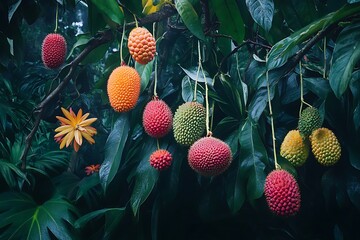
x=111, y=9
x=231, y=22
x=253, y=157
x=346, y=55
x=112, y=218
x=23, y=218
x=283, y=50
x=187, y=91
x=318, y=86
x=145, y=176
x=114, y=147
x=353, y=1
x=50, y=162
x=190, y=18
x=145, y=73
x=262, y=12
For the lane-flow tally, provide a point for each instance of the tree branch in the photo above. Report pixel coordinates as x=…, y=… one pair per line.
x=101, y=38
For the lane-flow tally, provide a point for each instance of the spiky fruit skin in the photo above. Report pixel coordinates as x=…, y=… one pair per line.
x=53, y=50
x=142, y=45
x=160, y=159
x=123, y=88
x=325, y=146
x=294, y=148
x=157, y=118
x=309, y=121
x=282, y=193
x=209, y=156
x=189, y=123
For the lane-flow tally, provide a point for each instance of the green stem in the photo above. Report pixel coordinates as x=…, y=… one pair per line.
x=302, y=101
x=155, y=59
x=121, y=44
x=208, y=132
x=277, y=165
x=324, y=50
x=158, y=143
x=57, y=17
x=197, y=73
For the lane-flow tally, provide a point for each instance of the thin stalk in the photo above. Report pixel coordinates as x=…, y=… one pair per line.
x=158, y=143
x=136, y=22
x=208, y=132
x=302, y=101
x=324, y=50
x=197, y=73
x=155, y=59
x=121, y=44
x=56, y=17
x=277, y=165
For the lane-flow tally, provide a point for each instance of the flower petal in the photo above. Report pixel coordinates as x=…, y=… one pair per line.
x=79, y=115
x=64, y=120
x=87, y=122
x=64, y=129
x=84, y=117
x=70, y=137
x=78, y=137
x=88, y=137
x=70, y=116
x=76, y=146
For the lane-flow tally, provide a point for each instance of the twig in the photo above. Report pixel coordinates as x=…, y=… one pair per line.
x=98, y=40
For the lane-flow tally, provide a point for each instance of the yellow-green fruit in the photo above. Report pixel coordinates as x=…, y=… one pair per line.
x=294, y=148
x=310, y=120
x=325, y=146
x=189, y=123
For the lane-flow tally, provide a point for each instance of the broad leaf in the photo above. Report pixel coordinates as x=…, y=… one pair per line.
x=190, y=18
x=353, y=1
x=253, y=157
x=145, y=176
x=262, y=12
x=283, y=50
x=353, y=188
x=319, y=86
x=231, y=22
x=192, y=72
x=145, y=73
x=111, y=9
x=346, y=55
x=187, y=91
x=114, y=147
x=22, y=218
x=51, y=162
x=13, y=8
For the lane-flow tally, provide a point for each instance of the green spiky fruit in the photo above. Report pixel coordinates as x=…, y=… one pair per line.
x=309, y=121
x=189, y=123
x=325, y=146
x=294, y=148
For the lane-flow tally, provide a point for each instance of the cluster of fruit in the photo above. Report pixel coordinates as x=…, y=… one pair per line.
x=324, y=144
x=208, y=155
x=281, y=189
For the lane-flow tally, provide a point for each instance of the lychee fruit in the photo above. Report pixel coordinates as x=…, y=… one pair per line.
x=282, y=193
x=160, y=159
x=157, y=118
x=209, y=156
x=53, y=50
x=142, y=45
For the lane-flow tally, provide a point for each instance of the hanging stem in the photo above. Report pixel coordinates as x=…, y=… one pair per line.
x=208, y=132
x=277, y=165
x=158, y=143
x=155, y=59
x=121, y=44
x=136, y=22
x=56, y=17
x=197, y=73
x=324, y=50
x=302, y=101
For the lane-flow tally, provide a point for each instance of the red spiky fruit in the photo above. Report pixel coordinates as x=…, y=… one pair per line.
x=209, y=156
x=282, y=193
x=157, y=118
x=53, y=50
x=160, y=159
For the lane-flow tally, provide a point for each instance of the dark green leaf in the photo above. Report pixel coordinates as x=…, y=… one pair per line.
x=82, y=40
x=25, y=219
x=258, y=104
x=190, y=18
x=145, y=73
x=13, y=8
x=194, y=74
x=252, y=156
x=353, y=1
x=231, y=22
x=262, y=12
x=346, y=55
x=283, y=50
x=86, y=184
x=319, y=86
x=353, y=188
x=145, y=177
x=111, y=9
x=187, y=91
x=108, y=212
x=114, y=147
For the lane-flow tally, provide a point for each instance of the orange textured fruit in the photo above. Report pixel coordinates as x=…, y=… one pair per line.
x=141, y=44
x=123, y=88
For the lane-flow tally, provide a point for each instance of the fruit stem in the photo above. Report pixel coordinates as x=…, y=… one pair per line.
x=277, y=166
x=324, y=50
x=155, y=59
x=136, y=22
x=121, y=44
x=197, y=73
x=158, y=144
x=56, y=17
x=302, y=101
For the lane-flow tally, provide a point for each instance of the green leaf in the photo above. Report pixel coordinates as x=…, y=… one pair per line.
x=145, y=176
x=51, y=162
x=82, y=40
x=192, y=72
x=283, y=50
x=23, y=218
x=190, y=18
x=111, y=9
x=187, y=91
x=253, y=157
x=231, y=22
x=11, y=173
x=353, y=188
x=353, y=1
x=262, y=12
x=110, y=214
x=114, y=147
x=235, y=190
x=319, y=86
x=145, y=73
x=13, y=8
x=345, y=56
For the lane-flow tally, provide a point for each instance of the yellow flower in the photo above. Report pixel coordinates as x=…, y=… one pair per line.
x=74, y=127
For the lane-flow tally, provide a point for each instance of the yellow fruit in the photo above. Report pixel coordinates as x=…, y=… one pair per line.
x=142, y=45
x=325, y=146
x=294, y=148
x=123, y=88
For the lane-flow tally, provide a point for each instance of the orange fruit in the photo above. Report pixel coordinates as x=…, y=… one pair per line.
x=142, y=45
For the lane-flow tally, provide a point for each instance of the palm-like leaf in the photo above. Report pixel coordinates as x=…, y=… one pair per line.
x=22, y=218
